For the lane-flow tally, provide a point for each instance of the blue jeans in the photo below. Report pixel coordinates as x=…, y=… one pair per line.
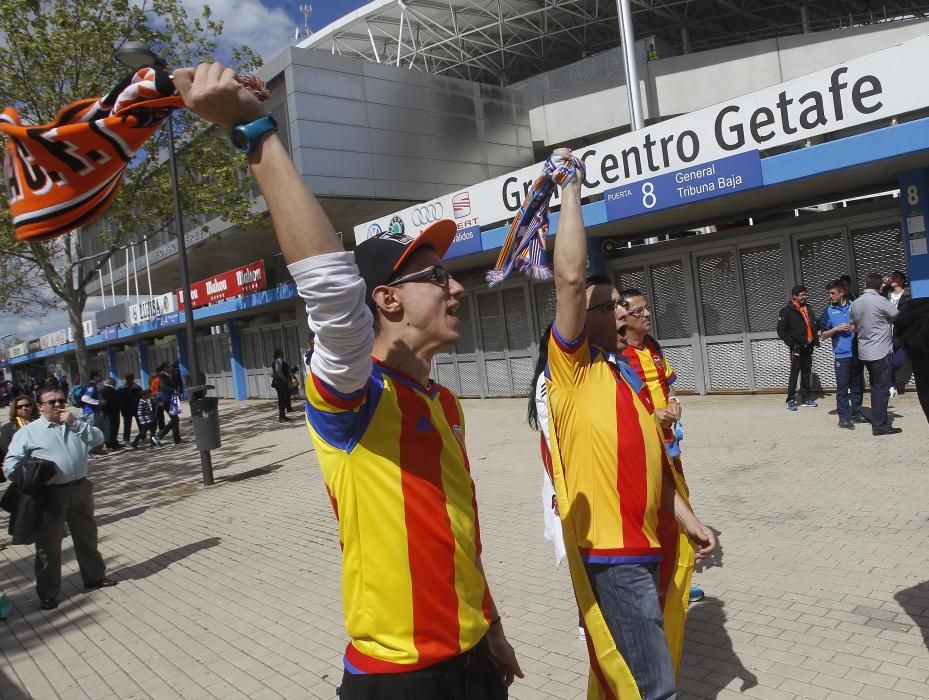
x=628, y=597
x=848, y=376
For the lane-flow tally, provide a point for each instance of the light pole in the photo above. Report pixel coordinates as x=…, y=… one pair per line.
x=135, y=55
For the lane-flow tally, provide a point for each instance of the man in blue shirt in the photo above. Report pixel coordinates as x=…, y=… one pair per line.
x=59, y=437
x=835, y=322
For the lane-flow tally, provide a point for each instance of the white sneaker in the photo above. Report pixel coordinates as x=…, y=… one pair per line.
x=581, y=634
x=893, y=391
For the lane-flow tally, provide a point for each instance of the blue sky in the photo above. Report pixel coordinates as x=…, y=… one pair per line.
x=268, y=25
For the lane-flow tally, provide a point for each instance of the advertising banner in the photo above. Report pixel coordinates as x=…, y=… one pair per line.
x=147, y=310
x=233, y=283
x=112, y=316
x=866, y=89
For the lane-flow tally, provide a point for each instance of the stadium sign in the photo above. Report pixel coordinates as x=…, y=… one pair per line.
x=863, y=90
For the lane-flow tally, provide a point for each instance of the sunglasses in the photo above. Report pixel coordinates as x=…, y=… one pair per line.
x=23, y=405
x=437, y=274
x=55, y=402
x=606, y=307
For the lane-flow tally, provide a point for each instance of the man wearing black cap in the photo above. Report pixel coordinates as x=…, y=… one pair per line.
x=390, y=442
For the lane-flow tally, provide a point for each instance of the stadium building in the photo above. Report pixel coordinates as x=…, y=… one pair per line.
x=761, y=145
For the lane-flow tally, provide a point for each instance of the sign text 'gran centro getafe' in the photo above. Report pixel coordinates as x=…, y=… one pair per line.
x=875, y=87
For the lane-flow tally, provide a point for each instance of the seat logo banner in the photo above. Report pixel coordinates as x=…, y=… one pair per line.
x=860, y=91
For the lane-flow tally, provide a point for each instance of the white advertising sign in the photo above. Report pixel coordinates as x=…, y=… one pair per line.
x=18, y=350
x=147, y=310
x=88, y=330
x=55, y=339
x=871, y=88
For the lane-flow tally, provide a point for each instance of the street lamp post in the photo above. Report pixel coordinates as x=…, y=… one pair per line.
x=135, y=54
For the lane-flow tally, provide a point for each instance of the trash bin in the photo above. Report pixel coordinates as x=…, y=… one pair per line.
x=204, y=413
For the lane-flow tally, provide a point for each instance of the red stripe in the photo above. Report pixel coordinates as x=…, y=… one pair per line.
x=453, y=416
x=667, y=532
x=632, y=470
x=430, y=541
x=334, y=400
x=547, y=458
x=369, y=664
x=647, y=551
x=595, y=667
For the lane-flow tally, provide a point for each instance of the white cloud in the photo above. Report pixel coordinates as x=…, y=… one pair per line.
x=268, y=31
x=30, y=325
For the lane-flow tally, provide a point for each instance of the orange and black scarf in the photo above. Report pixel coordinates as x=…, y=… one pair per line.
x=64, y=175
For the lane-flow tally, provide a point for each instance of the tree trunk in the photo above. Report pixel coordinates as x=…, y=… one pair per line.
x=75, y=311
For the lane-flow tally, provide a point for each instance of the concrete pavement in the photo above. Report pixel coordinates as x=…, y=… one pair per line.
x=821, y=589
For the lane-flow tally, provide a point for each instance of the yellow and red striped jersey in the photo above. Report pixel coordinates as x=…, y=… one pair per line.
x=394, y=461
x=650, y=363
x=611, y=451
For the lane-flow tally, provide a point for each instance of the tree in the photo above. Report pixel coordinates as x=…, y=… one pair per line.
x=54, y=52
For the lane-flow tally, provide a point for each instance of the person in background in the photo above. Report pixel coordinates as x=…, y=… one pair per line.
x=90, y=407
x=22, y=412
x=109, y=406
x=169, y=402
x=145, y=417
x=645, y=355
x=129, y=395
x=280, y=382
x=835, y=323
x=897, y=291
x=911, y=332
x=796, y=327
x=846, y=281
x=59, y=437
x=873, y=317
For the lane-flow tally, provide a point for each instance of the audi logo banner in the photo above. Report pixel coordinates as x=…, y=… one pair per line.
x=428, y=213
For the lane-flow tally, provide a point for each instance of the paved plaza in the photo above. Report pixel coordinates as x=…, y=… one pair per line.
x=820, y=590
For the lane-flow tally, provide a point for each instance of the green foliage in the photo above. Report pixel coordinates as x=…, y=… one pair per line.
x=53, y=52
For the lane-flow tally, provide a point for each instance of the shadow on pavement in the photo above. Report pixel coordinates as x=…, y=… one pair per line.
x=258, y=471
x=8, y=689
x=163, y=561
x=122, y=515
x=915, y=602
x=707, y=620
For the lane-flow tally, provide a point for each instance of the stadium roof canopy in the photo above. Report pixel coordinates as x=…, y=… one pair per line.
x=504, y=41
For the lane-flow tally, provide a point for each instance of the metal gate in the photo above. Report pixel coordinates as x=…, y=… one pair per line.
x=160, y=353
x=258, y=346
x=216, y=363
x=127, y=362
x=714, y=301
x=101, y=363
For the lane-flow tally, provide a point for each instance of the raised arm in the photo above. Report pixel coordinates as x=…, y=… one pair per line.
x=302, y=227
x=326, y=276
x=570, y=264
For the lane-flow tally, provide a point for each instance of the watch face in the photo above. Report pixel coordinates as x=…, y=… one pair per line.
x=239, y=139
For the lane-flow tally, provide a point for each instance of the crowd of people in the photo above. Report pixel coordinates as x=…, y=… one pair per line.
x=865, y=335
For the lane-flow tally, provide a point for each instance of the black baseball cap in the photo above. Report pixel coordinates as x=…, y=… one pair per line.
x=379, y=257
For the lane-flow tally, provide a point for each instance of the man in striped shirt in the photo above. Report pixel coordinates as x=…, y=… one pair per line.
x=628, y=527
x=390, y=442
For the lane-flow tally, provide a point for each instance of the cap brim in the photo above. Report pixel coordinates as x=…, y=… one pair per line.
x=439, y=236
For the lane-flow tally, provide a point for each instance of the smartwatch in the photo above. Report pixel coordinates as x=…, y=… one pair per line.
x=246, y=137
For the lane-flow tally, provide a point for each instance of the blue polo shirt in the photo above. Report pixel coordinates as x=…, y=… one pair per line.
x=832, y=316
